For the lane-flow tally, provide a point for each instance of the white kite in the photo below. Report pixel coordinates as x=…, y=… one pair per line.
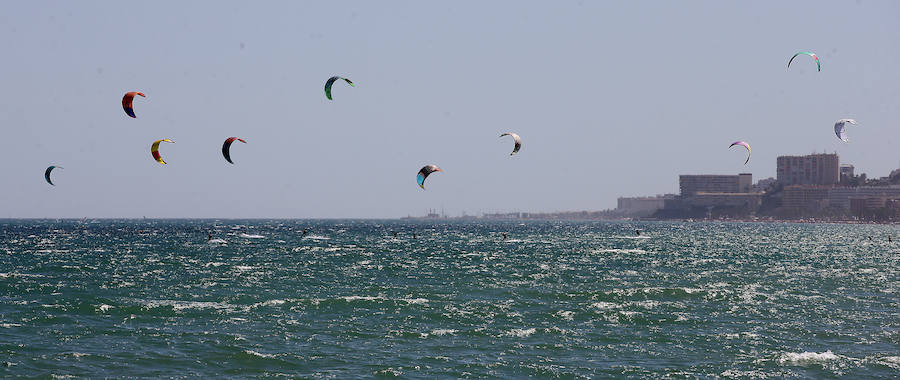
x=840, y=129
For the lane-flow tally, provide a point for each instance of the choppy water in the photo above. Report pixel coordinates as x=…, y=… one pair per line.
x=348, y=300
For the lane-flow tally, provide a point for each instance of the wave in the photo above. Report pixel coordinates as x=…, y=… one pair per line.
x=566, y=314
x=254, y=353
x=249, y=236
x=315, y=237
x=410, y=301
x=521, y=333
x=605, y=305
x=618, y=250
x=891, y=361
x=625, y=237
x=801, y=358
x=440, y=332
x=188, y=305
x=269, y=303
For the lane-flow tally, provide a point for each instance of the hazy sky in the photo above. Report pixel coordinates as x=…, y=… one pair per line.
x=611, y=99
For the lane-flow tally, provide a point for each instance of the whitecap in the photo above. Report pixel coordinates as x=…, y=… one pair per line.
x=216, y=241
x=389, y=372
x=806, y=357
x=249, y=236
x=440, y=332
x=361, y=298
x=604, y=305
x=184, y=305
x=619, y=250
x=521, y=333
x=104, y=308
x=316, y=237
x=627, y=237
x=891, y=359
x=648, y=304
x=744, y=334
x=565, y=314
x=270, y=303
x=254, y=353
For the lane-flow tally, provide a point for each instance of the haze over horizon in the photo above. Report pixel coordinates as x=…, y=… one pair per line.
x=610, y=99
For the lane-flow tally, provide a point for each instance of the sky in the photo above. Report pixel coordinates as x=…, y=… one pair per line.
x=610, y=98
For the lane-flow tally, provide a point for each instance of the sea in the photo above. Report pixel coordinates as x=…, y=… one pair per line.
x=418, y=299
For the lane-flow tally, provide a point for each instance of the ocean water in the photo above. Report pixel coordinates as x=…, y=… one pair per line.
x=349, y=300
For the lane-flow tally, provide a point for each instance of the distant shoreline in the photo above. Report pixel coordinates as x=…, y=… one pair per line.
x=467, y=219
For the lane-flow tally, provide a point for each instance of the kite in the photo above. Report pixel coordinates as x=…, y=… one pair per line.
x=330, y=82
x=517, y=140
x=154, y=150
x=128, y=99
x=47, y=173
x=839, y=129
x=745, y=145
x=226, y=148
x=425, y=172
x=818, y=64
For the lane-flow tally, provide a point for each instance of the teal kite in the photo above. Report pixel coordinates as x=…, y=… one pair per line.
x=330, y=82
x=811, y=54
x=424, y=172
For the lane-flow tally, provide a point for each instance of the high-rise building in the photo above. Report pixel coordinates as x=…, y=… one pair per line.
x=692, y=184
x=814, y=169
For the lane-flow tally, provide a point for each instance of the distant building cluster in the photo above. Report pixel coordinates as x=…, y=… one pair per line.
x=814, y=169
x=816, y=198
x=815, y=185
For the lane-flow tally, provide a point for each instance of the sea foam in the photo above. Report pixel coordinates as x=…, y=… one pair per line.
x=806, y=357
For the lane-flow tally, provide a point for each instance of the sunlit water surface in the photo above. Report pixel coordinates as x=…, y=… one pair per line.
x=349, y=300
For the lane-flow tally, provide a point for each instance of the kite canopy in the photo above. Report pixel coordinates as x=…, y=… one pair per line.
x=516, y=139
x=330, y=82
x=840, y=131
x=226, y=148
x=127, y=100
x=745, y=145
x=818, y=64
x=47, y=173
x=424, y=172
x=154, y=150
